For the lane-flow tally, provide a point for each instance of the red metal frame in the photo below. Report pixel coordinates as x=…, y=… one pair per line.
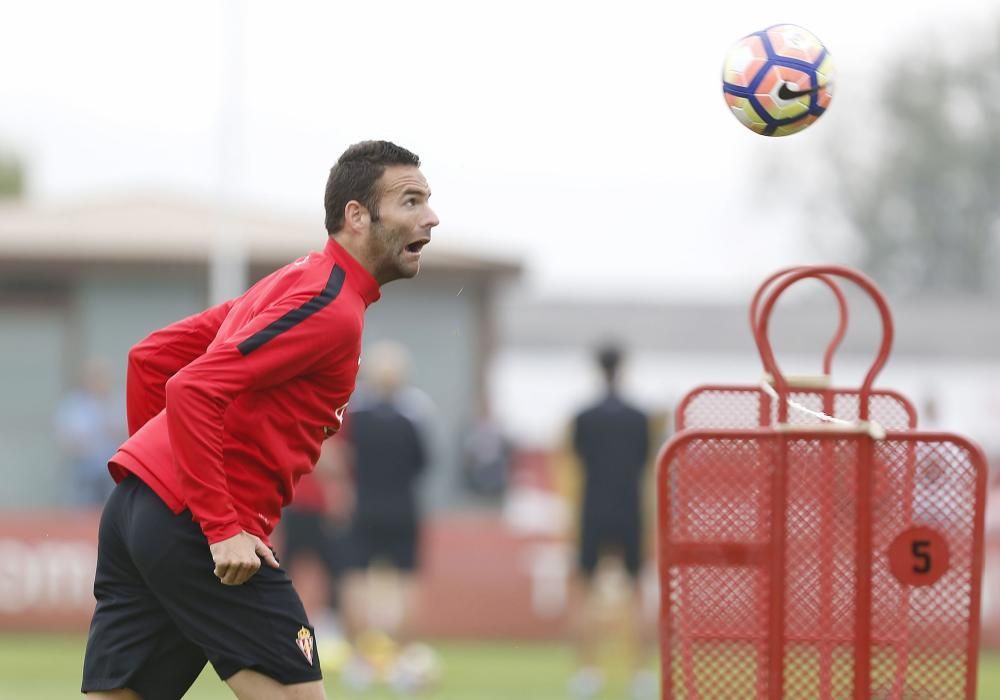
x=838, y=294
x=955, y=639
x=771, y=447
x=892, y=408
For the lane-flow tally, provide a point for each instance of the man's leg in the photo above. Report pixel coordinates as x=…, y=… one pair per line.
x=403, y=552
x=120, y=694
x=358, y=672
x=406, y=584
x=355, y=603
x=250, y=685
x=645, y=681
x=585, y=621
x=582, y=596
x=354, y=588
x=587, y=681
x=646, y=607
x=643, y=624
x=399, y=544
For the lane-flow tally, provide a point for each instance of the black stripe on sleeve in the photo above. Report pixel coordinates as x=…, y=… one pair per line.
x=296, y=316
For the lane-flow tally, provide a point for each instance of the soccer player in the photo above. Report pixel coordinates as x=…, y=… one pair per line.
x=226, y=410
x=611, y=440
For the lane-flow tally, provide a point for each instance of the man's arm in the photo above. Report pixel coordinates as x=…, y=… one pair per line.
x=160, y=355
x=274, y=347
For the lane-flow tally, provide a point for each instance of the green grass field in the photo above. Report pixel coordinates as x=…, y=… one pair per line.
x=36, y=667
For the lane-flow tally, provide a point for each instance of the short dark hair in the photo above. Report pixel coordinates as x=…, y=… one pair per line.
x=354, y=177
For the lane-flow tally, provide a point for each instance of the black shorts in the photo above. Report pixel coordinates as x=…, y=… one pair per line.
x=393, y=543
x=619, y=538
x=309, y=532
x=161, y=612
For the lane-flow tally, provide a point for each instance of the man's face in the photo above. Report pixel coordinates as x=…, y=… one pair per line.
x=404, y=224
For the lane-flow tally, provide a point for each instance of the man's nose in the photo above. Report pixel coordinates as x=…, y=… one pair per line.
x=432, y=219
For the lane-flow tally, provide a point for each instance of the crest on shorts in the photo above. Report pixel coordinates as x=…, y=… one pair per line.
x=305, y=644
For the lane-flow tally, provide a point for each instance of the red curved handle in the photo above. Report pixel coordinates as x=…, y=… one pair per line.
x=767, y=352
x=838, y=335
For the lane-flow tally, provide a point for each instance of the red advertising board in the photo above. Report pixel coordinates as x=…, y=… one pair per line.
x=480, y=578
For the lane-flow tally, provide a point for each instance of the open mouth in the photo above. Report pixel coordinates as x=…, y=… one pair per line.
x=417, y=246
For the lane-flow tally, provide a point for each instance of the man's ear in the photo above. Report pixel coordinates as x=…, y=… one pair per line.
x=356, y=215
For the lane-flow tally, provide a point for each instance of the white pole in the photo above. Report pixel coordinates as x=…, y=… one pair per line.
x=228, y=265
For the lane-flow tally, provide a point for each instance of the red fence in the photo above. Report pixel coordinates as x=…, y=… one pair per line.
x=479, y=579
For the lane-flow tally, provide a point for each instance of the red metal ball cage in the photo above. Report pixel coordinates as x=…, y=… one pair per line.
x=807, y=558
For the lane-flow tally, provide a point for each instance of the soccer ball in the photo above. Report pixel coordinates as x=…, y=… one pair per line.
x=778, y=81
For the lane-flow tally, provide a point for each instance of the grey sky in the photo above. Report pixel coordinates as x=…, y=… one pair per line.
x=590, y=139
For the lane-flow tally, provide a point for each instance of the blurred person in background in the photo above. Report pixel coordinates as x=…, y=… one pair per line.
x=227, y=410
x=90, y=425
x=486, y=458
x=386, y=431
x=611, y=443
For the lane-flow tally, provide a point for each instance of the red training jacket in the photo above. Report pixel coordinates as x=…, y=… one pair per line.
x=229, y=407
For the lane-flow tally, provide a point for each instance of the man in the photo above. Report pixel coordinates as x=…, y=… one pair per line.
x=89, y=425
x=386, y=435
x=226, y=410
x=611, y=443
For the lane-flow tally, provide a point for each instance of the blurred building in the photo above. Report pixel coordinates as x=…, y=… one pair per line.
x=946, y=353
x=88, y=280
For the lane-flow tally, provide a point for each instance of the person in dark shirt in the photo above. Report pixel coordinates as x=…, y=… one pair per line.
x=385, y=434
x=611, y=441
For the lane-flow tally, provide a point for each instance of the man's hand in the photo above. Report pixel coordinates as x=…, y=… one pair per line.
x=238, y=558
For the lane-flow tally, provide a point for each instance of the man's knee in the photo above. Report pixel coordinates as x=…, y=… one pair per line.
x=251, y=685
x=119, y=694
